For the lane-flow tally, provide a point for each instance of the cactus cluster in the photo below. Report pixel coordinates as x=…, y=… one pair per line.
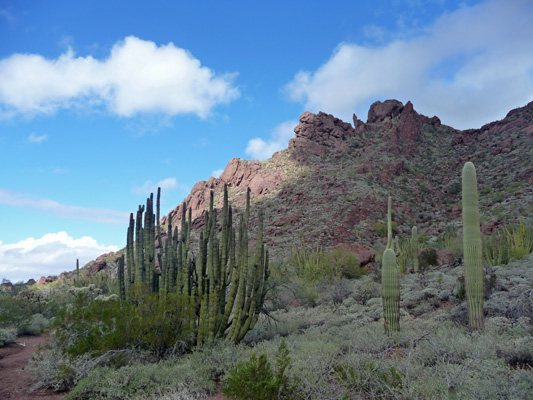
x=218, y=286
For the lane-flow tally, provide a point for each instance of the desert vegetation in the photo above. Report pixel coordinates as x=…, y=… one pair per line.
x=188, y=315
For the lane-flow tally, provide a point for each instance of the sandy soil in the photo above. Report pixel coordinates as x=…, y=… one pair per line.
x=15, y=381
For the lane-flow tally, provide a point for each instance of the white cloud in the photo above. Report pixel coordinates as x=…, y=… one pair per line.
x=137, y=77
x=217, y=172
x=34, y=138
x=62, y=210
x=49, y=255
x=279, y=139
x=165, y=185
x=470, y=67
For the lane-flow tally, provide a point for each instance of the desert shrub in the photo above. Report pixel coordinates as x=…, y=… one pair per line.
x=34, y=326
x=517, y=352
x=7, y=336
x=427, y=258
x=451, y=241
x=316, y=265
x=381, y=229
x=29, y=330
x=51, y=369
x=312, y=358
x=96, y=325
x=14, y=312
x=337, y=291
x=145, y=381
x=372, y=378
x=342, y=263
x=366, y=289
x=218, y=357
x=256, y=380
x=306, y=293
x=511, y=243
x=461, y=288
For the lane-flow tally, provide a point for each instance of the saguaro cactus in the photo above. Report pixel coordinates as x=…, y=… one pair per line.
x=414, y=247
x=390, y=291
x=472, y=247
x=389, y=224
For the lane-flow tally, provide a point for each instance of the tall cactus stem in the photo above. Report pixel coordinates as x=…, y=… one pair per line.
x=389, y=224
x=472, y=248
x=390, y=291
x=414, y=247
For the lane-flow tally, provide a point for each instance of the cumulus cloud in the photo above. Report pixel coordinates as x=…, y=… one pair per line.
x=34, y=138
x=279, y=139
x=52, y=207
x=137, y=77
x=165, y=185
x=49, y=255
x=469, y=68
x=217, y=172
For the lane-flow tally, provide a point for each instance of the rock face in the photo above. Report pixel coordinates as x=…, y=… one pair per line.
x=382, y=112
x=239, y=174
x=44, y=280
x=330, y=186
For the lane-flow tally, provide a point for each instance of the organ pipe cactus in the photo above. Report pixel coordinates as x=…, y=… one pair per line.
x=472, y=247
x=139, y=255
x=390, y=291
x=130, y=258
x=414, y=247
x=220, y=290
x=121, y=284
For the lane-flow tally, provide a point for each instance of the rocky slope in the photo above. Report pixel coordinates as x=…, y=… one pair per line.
x=330, y=186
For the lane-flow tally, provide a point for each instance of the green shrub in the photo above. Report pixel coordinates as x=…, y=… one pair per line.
x=7, y=336
x=381, y=229
x=315, y=265
x=342, y=263
x=145, y=322
x=184, y=380
x=256, y=380
x=13, y=311
x=369, y=377
x=427, y=258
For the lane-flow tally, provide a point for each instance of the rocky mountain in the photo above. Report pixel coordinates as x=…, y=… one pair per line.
x=330, y=186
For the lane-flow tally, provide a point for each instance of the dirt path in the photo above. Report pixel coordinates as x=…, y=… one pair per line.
x=14, y=380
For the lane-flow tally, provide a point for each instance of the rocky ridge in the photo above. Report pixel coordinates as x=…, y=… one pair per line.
x=330, y=185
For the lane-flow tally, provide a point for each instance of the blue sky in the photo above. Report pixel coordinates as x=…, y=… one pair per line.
x=102, y=101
